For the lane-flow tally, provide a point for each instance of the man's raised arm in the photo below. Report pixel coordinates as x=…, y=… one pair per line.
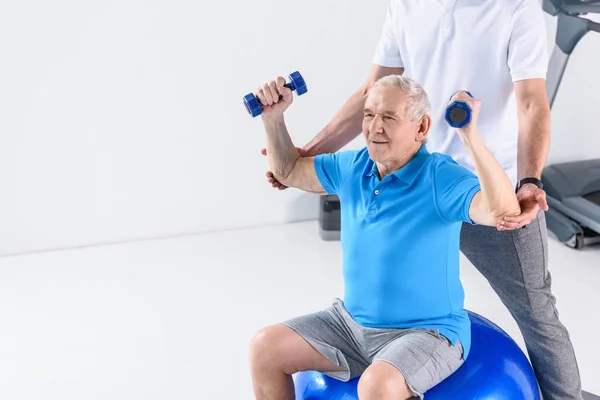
x=284, y=160
x=497, y=198
x=345, y=125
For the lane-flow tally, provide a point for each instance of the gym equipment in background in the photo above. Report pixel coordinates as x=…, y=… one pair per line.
x=573, y=195
x=496, y=368
x=253, y=104
x=573, y=188
x=329, y=217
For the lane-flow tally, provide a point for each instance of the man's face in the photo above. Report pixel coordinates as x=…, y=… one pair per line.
x=389, y=133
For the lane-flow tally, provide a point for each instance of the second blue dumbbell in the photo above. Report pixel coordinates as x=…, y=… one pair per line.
x=459, y=113
x=253, y=104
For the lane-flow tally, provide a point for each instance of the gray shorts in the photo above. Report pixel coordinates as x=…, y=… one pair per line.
x=423, y=356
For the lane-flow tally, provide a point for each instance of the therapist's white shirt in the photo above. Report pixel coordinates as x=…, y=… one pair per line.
x=482, y=46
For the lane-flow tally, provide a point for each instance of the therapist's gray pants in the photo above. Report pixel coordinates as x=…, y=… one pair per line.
x=516, y=265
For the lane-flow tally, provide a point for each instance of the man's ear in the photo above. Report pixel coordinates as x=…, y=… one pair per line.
x=423, y=128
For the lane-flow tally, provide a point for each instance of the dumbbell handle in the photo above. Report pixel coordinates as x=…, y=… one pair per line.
x=289, y=85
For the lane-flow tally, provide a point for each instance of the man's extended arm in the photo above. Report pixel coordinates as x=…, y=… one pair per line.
x=497, y=198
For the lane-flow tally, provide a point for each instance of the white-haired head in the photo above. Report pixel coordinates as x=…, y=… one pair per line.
x=417, y=104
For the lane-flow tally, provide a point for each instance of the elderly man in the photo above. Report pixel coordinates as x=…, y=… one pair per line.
x=498, y=50
x=401, y=325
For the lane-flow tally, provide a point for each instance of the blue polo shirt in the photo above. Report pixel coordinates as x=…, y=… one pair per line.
x=400, y=239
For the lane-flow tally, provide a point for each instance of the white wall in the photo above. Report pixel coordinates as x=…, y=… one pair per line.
x=123, y=120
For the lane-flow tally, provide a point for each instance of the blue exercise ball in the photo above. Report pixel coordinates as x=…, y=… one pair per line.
x=496, y=369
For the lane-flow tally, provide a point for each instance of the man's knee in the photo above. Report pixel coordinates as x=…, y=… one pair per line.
x=280, y=348
x=382, y=381
x=265, y=348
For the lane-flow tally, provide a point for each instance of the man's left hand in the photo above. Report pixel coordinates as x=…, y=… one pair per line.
x=532, y=199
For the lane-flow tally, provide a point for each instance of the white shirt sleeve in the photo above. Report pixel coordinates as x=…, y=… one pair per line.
x=528, y=48
x=388, y=51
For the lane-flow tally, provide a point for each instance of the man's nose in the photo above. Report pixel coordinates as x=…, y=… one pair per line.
x=377, y=124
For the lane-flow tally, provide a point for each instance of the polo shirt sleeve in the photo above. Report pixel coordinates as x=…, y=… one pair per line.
x=454, y=186
x=388, y=50
x=528, y=48
x=332, y=169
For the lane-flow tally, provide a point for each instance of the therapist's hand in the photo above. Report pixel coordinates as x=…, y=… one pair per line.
x=532, y=199
x=271, y=178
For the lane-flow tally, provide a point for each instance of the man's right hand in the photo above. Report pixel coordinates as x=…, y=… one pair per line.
x=274, y=97
x=475, y=105
x=271, y=178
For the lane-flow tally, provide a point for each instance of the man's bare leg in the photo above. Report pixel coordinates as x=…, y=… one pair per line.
x=277, y=352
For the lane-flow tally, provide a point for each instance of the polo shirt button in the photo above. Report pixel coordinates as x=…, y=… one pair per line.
x=377, y=192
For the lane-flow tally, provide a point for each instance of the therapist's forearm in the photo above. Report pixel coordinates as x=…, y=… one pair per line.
x=343, y=128
x=496, y=188
x=534, y=139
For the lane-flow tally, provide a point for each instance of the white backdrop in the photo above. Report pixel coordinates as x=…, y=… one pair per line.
x=123, y=120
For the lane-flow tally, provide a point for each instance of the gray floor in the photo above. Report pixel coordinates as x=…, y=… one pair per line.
x=172, y=319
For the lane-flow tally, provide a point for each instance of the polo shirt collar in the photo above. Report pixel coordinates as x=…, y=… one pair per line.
x=407, y=173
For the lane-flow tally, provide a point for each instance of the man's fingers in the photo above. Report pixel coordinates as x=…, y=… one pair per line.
x=280, y=81
x=266, y=93
x=286, y=94
x=261, y=96
x=272, y=85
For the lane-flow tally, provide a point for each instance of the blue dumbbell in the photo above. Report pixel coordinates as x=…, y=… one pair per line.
x=253, y=104
x=458, y=113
